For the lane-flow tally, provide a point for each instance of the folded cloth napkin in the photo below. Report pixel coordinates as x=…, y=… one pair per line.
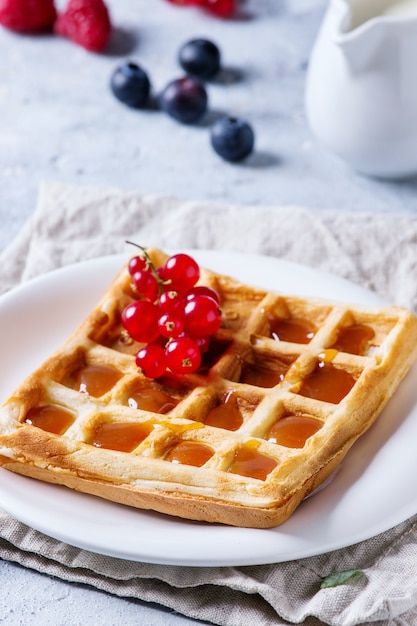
x=377, y=251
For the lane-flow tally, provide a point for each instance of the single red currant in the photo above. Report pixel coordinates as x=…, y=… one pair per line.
x=160, y=272
x=202, y=290
x=151, y=360
x=146, y=284
x=203, y=343
x=170, y=302
x=170, y=326
x=136, y=263
x=201, y=316
x=183, y=355
x=140, y=319
x=181, y=271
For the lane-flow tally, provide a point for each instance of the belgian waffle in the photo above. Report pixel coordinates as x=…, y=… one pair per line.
x=286, y=388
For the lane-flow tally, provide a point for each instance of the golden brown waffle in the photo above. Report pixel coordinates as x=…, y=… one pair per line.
x=286, y=388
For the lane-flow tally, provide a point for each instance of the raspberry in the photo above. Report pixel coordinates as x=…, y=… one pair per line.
x=221, y=8
x=27, y=16
x=87, y=23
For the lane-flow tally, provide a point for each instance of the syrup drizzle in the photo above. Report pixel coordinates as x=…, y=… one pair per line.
x=190, y=453
x=95, y=380
x=151, y=399
x=249, y=462
x=327, y=383
x=290, y=329
x=354, y=339
x=292, y=431
x=49, y=417
x=121, y=436
x=256, y=374
x=226, y=414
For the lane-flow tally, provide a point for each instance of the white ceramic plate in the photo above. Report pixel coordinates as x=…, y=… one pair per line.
x=374, y=489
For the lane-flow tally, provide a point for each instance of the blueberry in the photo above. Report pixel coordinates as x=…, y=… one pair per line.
x=184, y=99
x=232, y=138
x=130, y=84
x=200, y=57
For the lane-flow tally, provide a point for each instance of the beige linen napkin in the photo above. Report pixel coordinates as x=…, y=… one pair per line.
x=377, y=251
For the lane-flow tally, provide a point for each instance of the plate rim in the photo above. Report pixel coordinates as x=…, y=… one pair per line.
x=208, y=561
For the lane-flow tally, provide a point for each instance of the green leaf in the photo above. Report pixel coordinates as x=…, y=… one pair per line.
x=339, y=578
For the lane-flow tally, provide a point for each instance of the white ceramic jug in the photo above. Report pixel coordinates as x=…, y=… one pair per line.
x=361, y=88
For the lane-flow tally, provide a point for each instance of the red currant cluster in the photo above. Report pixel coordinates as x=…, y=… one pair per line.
x=220, y=8
x=174, y=317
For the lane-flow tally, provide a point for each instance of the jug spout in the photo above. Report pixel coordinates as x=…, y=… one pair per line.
x=361, y=43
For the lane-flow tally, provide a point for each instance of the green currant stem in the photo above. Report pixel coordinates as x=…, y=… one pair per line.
x=150, y=264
